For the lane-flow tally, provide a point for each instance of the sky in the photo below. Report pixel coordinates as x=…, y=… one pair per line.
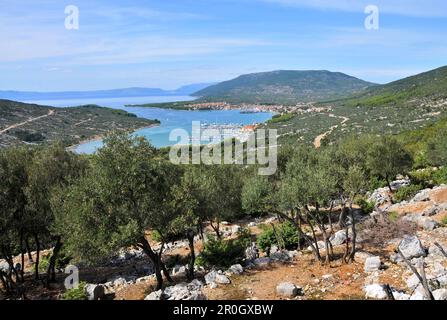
x=170, y=43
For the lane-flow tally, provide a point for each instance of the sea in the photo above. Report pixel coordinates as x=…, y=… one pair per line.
x=170, y=119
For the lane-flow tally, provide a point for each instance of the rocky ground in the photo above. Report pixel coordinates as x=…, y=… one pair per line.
x=415, y=228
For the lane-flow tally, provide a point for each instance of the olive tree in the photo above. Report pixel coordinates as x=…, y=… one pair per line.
x=124, y=198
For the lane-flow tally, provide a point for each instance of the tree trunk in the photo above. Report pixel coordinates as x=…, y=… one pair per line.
x=36, y=271
x=22, y=252
x=192, y=257
x=51, y=271
x=354, y=237
x=162, y=265
x=217, y=230
x=28, y=249
x=155, y=261
x=331, y=226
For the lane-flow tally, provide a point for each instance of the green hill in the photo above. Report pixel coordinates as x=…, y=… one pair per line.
x=284, y=87
x=31, y=123
x=427, y=87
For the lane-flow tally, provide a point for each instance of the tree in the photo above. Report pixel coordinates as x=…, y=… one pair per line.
x=52, y=167
x=387, y=158
x=437, y=149
x=123, y=198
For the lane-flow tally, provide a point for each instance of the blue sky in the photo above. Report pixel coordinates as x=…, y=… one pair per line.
x=154, y=43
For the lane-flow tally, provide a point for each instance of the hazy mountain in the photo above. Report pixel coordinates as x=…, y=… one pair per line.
x=115, y=93
x=288, y=87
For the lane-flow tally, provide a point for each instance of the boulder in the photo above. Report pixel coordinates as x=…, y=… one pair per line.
x=288, y=289
x=440, y=294
x=183, y=291
x=262, y=262
x=4, y=266
x=156, y=295
x=372, y=264
x=429, y=224
x=400, y=295
x=380, y=196
x=422, y=196
x=398, y=184
x=179, y=271
x=413, y=282
x=235, y=269
x=338, y=238
x=418, y=295
x=280, y=256
x=222, y=279
x=411, y=247
x=375, y=291
x=210, y=277
x=436, y=252
x=94, y=291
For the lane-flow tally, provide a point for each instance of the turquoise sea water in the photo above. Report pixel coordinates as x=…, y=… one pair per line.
x=170, y=119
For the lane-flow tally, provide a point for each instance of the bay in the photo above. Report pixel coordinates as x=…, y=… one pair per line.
x=169, y=119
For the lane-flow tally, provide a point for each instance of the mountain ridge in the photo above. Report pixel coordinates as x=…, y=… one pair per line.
x=284, y=86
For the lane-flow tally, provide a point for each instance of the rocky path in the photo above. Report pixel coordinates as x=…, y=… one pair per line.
x=318, y=139
x=50, y=113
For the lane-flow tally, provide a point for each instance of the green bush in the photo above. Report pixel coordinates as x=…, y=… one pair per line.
x=444, y=221
x=76, y=293
x=366, y=206
x=61, y=262
x=376, y=183
x=221, y=253
x=406, y=193
x=284, y=235
x=440, y=176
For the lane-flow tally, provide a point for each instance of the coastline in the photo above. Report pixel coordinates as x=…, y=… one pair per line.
x=99, y=137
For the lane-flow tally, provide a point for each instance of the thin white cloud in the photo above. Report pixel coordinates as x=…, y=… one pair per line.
x=415, y=8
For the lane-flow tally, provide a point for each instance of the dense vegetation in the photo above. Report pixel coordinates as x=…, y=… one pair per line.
x=284, y=87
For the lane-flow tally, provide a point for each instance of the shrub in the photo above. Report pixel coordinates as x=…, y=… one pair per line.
x=221, y=253
x=366, y=206
x=444, y=221
x=440, y=176
x=284, y=235
x=406, y=193
x=376, y=183
x=76, y=293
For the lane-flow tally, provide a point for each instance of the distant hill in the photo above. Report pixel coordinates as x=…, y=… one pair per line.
x=31, y=123
x=285, y=87
x=115, y=93
x=425, y=88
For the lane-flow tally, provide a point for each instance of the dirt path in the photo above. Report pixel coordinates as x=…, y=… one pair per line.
x=50, y=113
x=318, y=139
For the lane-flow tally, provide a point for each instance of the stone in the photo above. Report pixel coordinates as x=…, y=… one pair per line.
x=281, y=256
x=288, y=289
x=413, y=282
x=222, y=279
x=440, y=294
x=338, y=238
x=179, y=271
x=274, y=249
x=4, y=266
x=380, y=196
x=183, y=291
x=94, y=291
x=156, y=295
x=418, y=295
x=235, y=269
x=375, y=291
x=252, y=224
x=362, y=256
x=411, y=247
x=327, y=277
x=429, y=224
x=262, y=262
x=436, y=252
x=118, y=282
x=398, y=184
x=422, y=196
x=372, y=264
x=431, y=211
x=210, y=277
x=400, y=295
